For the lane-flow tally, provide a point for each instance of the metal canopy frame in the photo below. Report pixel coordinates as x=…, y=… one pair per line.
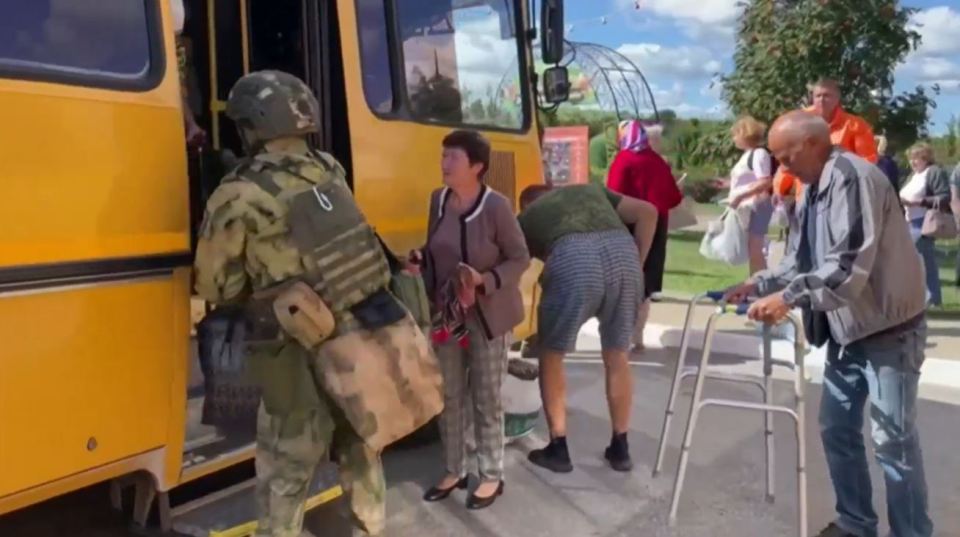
x=618, y=83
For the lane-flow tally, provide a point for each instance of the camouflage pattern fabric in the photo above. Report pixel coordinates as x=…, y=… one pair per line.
x=565, y=211
x=267, y=105
x=387, y=381
x=181, y=63
x=289, y=448
x=245, y=245
x=379, y=385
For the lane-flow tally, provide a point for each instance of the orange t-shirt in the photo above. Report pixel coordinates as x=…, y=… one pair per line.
x=848, y=131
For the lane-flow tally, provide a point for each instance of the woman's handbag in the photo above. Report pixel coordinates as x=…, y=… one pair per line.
x=938, y=224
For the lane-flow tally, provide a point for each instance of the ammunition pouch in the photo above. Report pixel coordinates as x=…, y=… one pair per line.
x=379, y=310
x=292, y=308
x=303, y=315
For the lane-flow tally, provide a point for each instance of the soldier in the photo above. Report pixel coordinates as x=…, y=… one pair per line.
x=339, y=359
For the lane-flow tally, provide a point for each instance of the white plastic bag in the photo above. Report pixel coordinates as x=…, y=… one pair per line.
x=781, y=218
x=726, y=240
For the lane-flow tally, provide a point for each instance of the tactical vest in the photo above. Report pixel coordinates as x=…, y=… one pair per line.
x=342, y=257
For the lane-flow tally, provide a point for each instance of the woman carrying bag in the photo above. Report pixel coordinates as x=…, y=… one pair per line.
x=472, y=263
x=926, y=201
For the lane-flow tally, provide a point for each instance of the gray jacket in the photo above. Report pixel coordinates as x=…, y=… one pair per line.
x=865, y=272
x=938, y=189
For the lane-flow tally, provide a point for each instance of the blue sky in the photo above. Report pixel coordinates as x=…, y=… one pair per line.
x=680, y=44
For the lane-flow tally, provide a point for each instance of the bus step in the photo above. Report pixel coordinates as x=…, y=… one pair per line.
x=232, y=512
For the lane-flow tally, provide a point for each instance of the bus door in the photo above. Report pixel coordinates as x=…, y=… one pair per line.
x=237, y=37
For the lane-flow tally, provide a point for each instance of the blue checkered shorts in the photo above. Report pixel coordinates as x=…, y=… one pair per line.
x=590, y=275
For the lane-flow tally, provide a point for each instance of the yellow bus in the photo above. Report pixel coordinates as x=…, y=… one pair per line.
x=98, y=212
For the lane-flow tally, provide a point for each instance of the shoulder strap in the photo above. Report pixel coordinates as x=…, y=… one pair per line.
x=392, y=259
x=323, y=159
x=750, y=159
x=253, y=171
x=319, y=158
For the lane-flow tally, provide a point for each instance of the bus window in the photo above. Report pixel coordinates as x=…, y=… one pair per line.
x=461, y=61
x=109, y=43
x=375, y=55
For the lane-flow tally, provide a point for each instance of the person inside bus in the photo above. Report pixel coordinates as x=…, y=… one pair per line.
x=472, y=263
x=593, y=268
x=195, y=135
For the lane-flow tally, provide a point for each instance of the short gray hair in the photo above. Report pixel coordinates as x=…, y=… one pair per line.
x=804, y=125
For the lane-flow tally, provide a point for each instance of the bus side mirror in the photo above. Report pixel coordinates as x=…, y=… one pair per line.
x=556, y=85
x=551, y=31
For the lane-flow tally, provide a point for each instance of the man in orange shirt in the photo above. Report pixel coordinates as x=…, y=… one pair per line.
x=848, y=131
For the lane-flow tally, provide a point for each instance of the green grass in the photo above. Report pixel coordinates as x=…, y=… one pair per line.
x=689, y=273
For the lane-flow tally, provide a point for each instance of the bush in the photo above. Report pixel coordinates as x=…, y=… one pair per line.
x=702, y=191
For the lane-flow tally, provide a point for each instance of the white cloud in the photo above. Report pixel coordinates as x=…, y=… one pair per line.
x=940, y=28
x=702, y=11
x=712, y=89
x=949, y=87
x=476, y=55
x=938, y=69
x=720, y=37
x=687, y=110
x=704, y=21
x=934, y=61
x=657, y=61
x=668, y=98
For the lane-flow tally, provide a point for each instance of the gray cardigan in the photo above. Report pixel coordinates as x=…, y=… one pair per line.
x=938, y=189
x=865, y=271
x=491, y=243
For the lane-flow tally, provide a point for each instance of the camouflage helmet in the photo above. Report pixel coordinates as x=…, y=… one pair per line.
x=267, y=105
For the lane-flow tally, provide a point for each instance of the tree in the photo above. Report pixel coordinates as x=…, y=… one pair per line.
x=953, y=132
x=668, y=118
x=477, y=110
x=783, y=45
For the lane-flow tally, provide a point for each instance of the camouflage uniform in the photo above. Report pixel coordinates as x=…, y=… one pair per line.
x=243, y=247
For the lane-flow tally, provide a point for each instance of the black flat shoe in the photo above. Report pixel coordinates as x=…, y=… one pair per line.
x=435, y=494
x=476, y=502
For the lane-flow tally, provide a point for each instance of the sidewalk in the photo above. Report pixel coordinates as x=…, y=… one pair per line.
x=723, y=496
x=940, y=378
x=943, y=334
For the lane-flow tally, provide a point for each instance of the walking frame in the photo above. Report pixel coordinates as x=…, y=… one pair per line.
x=701, y=372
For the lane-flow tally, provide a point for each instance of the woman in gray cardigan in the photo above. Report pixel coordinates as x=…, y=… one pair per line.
x=472, y=263
x=927, y=188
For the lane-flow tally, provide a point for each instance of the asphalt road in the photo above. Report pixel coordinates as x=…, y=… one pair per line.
x=723, y=496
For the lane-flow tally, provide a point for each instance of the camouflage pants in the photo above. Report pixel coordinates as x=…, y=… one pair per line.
x=289, y=449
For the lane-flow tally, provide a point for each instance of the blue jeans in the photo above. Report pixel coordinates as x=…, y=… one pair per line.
x=886, y=369
x=927, y=248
